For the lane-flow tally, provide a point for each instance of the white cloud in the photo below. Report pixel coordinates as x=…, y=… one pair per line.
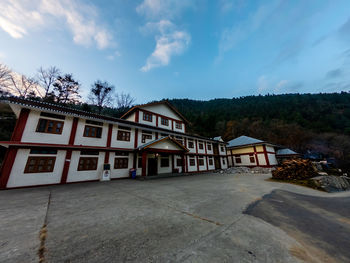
x=262, y=84
x=268, y=84
x=17, y=18
x=163, y=9
x=169, y=42
x=280, y=85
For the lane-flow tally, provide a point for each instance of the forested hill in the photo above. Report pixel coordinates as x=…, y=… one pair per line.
x=300, y=121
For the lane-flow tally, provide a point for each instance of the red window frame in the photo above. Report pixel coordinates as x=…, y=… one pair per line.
x=164, y=121
x=178, y=125
x=147, y=116
x=123, y=136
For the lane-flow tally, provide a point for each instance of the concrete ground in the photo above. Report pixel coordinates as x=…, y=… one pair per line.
x=199, y=218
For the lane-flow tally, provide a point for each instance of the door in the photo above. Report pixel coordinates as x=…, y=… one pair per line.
x=152, y=166
x=217, y=163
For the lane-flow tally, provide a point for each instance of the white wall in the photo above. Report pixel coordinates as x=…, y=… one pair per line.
x=224, y=147
x=19, y=178
x=262, y=159
x=191, y=150
x=75, y=176
x=204, y=166
x=211, y=167
x=139, y=139
x=131, y=117
x=272, y=159
x=120, y=173
x=223, y=161
x=81, y=140
x=162, y=109
x=164, y=170
x=152, y=123
x=122, y=144
x=199, y=150
x=212, y=148
x=270, y=149
x=245, y=161
x=192, y=168
x=30, y=134
x=178, y=167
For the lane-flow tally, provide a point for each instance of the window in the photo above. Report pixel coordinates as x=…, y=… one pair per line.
x=124, y=128
x=164, y=135
x=238, y=159
x=192, y=161
x=139, y=162
x=89, y=152
x=147, y=116
x=251, y=158
x=164, y=161
x=209, y=147
x=200, y=146
x=121, y=153
x=42, y=151
x=92, y=131
x=146, y=137
x=94, y=122
x=178, y=125
x=223, y=161
x=179, y=140
x=121, y=163
x=50, y=126
x=190, y=144
x=87, y=163
x=222, y=148
x=164, y=121
x=201, y=161
x=40, y=164
x=123, y=136
x=210, y=161
x=179, y=162
x=51, y=115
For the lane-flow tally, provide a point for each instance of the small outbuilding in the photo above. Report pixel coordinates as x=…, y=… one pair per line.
x=251, y=152
x=285, y=154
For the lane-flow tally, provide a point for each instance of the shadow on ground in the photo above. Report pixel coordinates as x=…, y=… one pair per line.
x=320, y=224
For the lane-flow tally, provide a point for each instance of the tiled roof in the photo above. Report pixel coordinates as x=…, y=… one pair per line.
x=286, y=151
x=243, y=140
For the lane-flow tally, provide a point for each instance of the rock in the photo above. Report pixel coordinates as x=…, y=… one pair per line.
x=332, y=183
x=246, y=170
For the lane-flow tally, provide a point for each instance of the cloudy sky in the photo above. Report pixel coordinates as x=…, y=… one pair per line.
x=198, y=49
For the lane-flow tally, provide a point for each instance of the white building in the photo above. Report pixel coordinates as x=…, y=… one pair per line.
x=250, y=152
x=52, y=144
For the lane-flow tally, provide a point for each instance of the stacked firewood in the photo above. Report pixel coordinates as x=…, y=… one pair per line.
x=298, y=169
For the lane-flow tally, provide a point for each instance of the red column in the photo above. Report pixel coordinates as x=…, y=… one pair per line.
x=266, y=156
x=144, y=163
x=69, y=151
x=172, y=162
x=108, y=144
x=206, y=156
x=233, y=164
x=136, y=138
x=256, y=156
x=11, y=153
x=137, y=113
x=197, y=163
x=183, y=163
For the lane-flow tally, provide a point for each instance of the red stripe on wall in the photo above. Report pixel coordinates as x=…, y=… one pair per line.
x=136, y=137
x=266, y=156
x=108, y=144
x=11, y=153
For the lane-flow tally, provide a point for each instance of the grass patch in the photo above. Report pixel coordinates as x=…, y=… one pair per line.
x=305, y=182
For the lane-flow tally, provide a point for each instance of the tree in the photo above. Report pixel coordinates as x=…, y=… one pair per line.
x=5, y=78
x=46, y=78
x=124, y=100
x=22, y=86
x=101, y=94
x=66, y=89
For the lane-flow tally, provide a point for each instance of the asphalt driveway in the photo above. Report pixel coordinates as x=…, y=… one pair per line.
x=195, y=218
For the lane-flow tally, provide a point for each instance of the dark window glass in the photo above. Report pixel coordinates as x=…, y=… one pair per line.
x=43, y=151
x=209, y=147
x=147, y=116
x=164, y=122
x=121, y=163
x=210, y=161
x=164, y=162
x=92, y=131
x=94, y=122
x=146, y=137
x=40, y=164
x=123, y=136
x=121, y=153
x=178, y=125
x=201, y=161
x=192, y=162
x=49, y=126
x=179, y=162
x=200, y=146
x=87, y=163
x=238, y=159
x=190, y=144
x=89, y=152
x=252, y=158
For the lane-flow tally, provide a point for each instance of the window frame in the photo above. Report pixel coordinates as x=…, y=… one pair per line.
x=93, y=168
x=210, y=161
x=252, y=158
x=178, y=125
x=164, y=121
x=190, y=144
x=200, y=146
x=190, y=161
x=36, y=164
x=46, y=127
x=123, y=136
x=121, y=163
x=238, y=159
x=145, y=137
x=209, y=146
x=201, y=161
x=165, y=159
x=179, y=162
x=147, y=116
x=89, y=135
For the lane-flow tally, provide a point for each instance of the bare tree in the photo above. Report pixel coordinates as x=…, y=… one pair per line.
x=101, y=94
x=22, y=86
x=5, y=79
x=46, y=78
x=124, y=100
x=66, y=89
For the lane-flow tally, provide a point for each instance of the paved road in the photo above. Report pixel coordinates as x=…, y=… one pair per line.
x=184, y=219
x=320, y=224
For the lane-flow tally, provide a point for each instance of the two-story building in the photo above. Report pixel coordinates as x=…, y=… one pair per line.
x=53, y=144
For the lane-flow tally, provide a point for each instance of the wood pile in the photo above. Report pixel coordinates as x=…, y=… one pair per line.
x=298, y=169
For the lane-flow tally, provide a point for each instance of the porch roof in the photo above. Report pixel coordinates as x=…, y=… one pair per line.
x=153, y=143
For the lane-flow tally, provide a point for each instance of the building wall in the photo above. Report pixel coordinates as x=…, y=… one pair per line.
x=191, y=168
x=162, y=109
x=77, y=176
x=30, y=134
x=223, y=161
x=120, y=173
x=81, y=140
x=211, y=167
x=122, y=144
x=19, y=178
x=272, y=159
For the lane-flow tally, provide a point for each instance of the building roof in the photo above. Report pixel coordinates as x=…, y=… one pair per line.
x=149, y=144
x=167, y=103
x=286, y=151
x=243, y=140
x=60, y=109
x=218, y=138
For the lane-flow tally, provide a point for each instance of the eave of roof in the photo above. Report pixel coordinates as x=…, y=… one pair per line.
x=151, y=143
x=155, y=103
x=80, y=113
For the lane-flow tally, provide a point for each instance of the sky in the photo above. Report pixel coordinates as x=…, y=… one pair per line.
x=197, y=49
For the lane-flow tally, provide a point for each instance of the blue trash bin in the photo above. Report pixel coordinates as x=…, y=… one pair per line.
x=133, y=173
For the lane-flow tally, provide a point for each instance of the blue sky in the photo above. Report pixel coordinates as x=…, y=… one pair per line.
x=198, y=49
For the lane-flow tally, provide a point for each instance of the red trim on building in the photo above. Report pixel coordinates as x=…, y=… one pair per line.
x=172, y=125
x=108, y=144
x=144, y=163
x=156, y=135
x=266, y=156
x=206, y=157
x=256, y=156
x=136, y=138
x=11, y=153
x=68, y=157
x=137, y=116
x=197, y=163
